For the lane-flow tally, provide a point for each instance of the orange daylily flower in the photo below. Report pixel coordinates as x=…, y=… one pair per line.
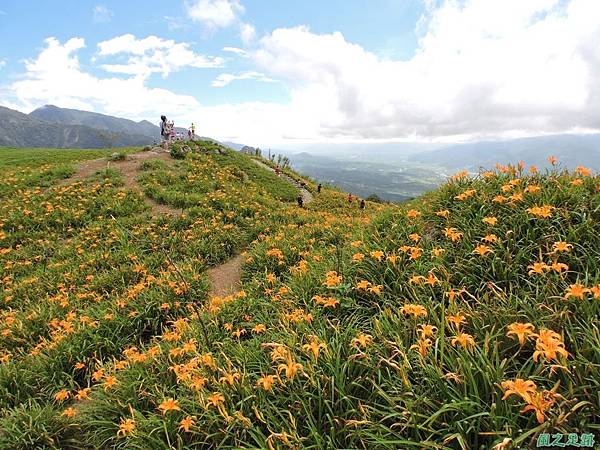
x=576, y=290
x=314, y=347
x=482, y=250
x=127, y=426
x=464, y=339
x=456, y=320
x=544, y=211
x=490, y=220
x=187, y=423
x=62, y=395
x=377, y=254
x=413, y=310
x=291, y=368
x=358, y=257
x=266, y=382
x=561, y=246
x=362, y=340
x=427, y=330
x=169, y=405
x=259, y=328
x=549, y=345
x=422, y=346
x=523, y=388
x=521, y=330
x=539, y=403
x=539, y=268
x=69, y=412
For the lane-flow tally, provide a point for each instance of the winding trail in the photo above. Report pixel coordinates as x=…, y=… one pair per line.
x=307, y=197
x=225, y=278
x=130, y=168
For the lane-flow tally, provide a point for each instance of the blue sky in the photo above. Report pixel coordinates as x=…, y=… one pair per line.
x=385, y=27
x=311, y=70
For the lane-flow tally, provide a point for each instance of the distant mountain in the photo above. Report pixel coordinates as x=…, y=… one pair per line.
x=233, y=145
x=571, y=151
x=22, y=130
x=65, y=116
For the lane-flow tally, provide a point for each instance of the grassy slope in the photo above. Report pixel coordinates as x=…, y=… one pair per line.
x=339, y=351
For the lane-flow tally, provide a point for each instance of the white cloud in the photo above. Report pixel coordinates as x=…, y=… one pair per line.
x=2, y=63
x=56, y=77
x=153, y=55
x=225, y=78
x=102, y=14
x=214, y=13
x=482, y=68
x=247, y=33
x=238, y=51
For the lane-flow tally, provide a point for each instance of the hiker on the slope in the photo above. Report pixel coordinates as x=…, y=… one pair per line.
x=362, y=204
x=319, y=187
x=349, y=198
x=300, y=201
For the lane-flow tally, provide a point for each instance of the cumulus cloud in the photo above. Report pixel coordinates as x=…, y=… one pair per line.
x=482, y=68
x=153, y=55
x=225, y=78
x=56, y=77
x=214, y=13
x=102, y=14
x=2, y=63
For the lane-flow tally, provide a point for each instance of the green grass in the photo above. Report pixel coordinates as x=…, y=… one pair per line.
x=90, y=277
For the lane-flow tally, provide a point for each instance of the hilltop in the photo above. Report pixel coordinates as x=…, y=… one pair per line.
x=466, y=318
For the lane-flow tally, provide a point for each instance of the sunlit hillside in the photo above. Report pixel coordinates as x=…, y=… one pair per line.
x=467, y=318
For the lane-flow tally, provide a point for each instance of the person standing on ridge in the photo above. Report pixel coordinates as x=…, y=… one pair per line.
x=300, y=201
x=172, y=130
x=164, y=131
x=193, y=128
x=319, y=187
x=362, y=204
x=349, y=198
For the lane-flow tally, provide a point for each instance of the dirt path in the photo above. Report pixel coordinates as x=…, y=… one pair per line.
x=130, y=169
x=225, y=278
x=307, y=197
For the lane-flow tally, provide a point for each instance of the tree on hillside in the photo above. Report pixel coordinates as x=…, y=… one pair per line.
x=374, y=198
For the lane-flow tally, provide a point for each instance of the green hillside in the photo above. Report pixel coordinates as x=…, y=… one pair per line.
x=467, y=318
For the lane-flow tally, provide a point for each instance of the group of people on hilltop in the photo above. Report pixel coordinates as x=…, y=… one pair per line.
x=169, y=134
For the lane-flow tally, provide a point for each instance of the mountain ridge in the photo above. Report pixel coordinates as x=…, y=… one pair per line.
x=22, y=130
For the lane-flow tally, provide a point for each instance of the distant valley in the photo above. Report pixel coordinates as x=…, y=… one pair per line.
x=398, y=171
